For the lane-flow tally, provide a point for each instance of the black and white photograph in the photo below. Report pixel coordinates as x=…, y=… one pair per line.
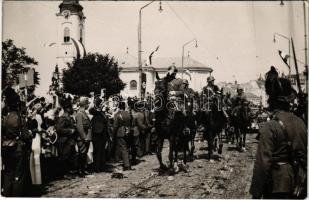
x=154, y=99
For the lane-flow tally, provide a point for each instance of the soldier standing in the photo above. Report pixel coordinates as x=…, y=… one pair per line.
x=15, y=148
x=282, y=140
x=83, y=126
x=122, y=128
x=66, y=130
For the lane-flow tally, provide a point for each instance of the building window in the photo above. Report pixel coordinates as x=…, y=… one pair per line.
x=133, y=85
x=66, y=35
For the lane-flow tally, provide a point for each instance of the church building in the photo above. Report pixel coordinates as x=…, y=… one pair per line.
x=71, y=43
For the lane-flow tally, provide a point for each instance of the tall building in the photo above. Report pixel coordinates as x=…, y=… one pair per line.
x=71, y=32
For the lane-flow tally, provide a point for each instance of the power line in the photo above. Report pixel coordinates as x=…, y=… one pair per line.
x=185, y=24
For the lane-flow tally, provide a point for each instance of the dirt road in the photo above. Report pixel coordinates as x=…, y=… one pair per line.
x=228, y=176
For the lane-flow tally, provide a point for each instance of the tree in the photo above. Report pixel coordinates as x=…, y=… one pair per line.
x=15, y=61
x=92, y=73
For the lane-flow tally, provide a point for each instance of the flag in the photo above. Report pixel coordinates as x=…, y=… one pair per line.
x=150, y=56
x=187, y=72
x=284, y=57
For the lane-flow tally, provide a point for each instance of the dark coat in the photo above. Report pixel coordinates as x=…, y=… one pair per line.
x=99, y=123
x=66, y=130
x=273, y=149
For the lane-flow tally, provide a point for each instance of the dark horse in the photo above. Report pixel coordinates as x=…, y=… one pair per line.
x=168, y=124
x=241, y=121
x=213, y=119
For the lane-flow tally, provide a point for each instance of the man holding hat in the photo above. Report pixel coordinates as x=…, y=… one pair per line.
x=283, y=140
x=83, y=126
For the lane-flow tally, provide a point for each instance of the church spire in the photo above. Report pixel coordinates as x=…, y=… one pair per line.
x=72, y=5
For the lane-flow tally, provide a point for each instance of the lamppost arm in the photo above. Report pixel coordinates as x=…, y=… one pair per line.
x=140, y=47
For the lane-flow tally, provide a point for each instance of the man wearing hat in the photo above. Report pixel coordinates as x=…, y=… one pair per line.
x=282, y=140
x=210, y=88
x=67, y=134
x=122, y=128
x=15, y=148
x=238, y=99
x=100, y=136
x=83, y=126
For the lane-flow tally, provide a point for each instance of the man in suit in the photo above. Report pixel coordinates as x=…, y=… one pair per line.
x=100, y=136
x=83, y=126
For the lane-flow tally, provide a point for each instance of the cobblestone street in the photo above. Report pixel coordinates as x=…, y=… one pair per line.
x=228, y=176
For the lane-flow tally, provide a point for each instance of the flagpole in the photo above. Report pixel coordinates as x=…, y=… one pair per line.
x=183, y=50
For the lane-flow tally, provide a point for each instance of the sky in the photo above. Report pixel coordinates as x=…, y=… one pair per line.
x=234, y=38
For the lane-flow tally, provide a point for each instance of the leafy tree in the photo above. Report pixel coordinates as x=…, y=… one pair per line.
x=15, y=61
x=92, y=73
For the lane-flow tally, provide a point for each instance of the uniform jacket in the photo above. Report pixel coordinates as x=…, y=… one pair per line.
x=66, y=130
x=177, y=86
x=140, y=122
x=11, y=126
x=83, y=125
x=272, y=148
x=122, y=120
x=210, y=89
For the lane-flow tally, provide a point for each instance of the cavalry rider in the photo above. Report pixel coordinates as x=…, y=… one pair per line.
x=283, y=140
x=211, y=88
x=238, y=100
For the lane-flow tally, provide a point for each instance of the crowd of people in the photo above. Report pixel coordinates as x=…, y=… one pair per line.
x=77, y=138
x=83, y=135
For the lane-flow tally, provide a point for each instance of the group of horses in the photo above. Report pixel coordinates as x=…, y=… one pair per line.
x=210, y=114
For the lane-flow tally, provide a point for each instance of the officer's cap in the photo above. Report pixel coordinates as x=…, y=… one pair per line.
x=210, y=78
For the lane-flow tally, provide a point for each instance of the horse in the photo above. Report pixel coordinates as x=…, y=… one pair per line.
x=186, y=128
x=213, y=119
x=241, y=121
x=162, y=120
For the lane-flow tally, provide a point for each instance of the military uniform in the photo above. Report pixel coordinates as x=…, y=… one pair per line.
x=139, y=127
x=84, y=136
x=121, y=128
x=15, y=151
x=66, y=130
x=273, y=174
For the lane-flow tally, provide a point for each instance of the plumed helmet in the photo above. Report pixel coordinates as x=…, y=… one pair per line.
x=65, y=102
x=240, y=89
x=279, y=88
x=185, y=81
x=210, y=78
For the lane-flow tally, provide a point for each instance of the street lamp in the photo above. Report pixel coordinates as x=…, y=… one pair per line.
x=287, y=38
x=183, y=50
x=140, y=45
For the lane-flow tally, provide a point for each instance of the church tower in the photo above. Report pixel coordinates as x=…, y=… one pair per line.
x=71, y=32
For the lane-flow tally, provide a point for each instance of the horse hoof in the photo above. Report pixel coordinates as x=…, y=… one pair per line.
x=163, y=167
